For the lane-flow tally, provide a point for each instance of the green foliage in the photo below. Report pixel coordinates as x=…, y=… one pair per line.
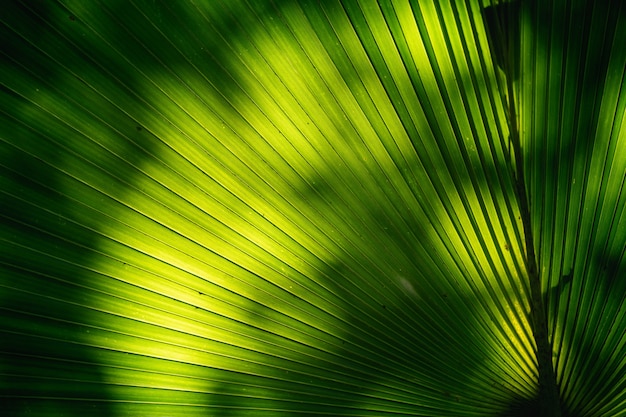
x=284, y=208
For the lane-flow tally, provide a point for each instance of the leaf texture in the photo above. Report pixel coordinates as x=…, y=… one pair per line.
x=282, y=208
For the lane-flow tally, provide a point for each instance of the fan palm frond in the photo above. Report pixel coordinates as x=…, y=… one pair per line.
x=268, y=208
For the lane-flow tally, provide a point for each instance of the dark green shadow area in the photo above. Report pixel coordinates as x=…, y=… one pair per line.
x=46, y=370
x=411, y=329
x=502, y=22
x=584, y=38
x=47, y=240
x=576, y=44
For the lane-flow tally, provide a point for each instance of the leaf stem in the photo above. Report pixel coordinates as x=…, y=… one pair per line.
x=549, y=401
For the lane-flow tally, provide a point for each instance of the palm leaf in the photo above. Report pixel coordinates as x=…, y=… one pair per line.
x=311, y=208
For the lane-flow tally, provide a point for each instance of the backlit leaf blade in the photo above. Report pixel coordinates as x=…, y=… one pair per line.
x=303, y=208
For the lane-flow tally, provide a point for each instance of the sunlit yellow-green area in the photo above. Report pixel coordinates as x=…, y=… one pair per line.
x=289, y=208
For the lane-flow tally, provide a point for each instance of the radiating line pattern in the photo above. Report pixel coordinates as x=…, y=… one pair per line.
x=284, y=208
x=572, y=97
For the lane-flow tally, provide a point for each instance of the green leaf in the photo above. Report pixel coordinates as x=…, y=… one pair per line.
x=285, y=208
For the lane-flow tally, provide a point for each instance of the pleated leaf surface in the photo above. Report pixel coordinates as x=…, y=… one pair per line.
x=285, y=208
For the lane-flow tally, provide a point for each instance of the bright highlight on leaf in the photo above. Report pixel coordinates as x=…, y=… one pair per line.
x=285, y=208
